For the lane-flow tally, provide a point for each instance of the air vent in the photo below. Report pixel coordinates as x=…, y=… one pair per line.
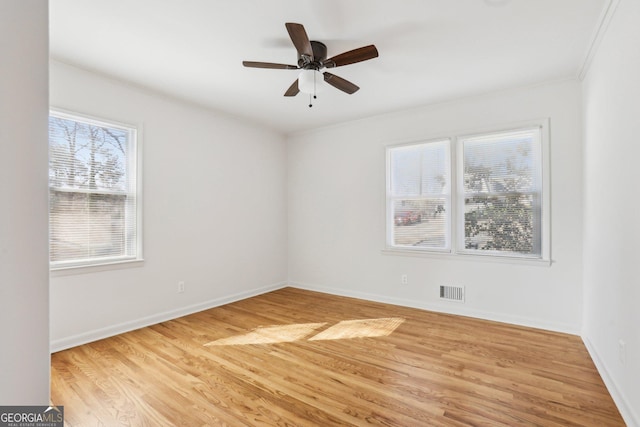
x=452, y=293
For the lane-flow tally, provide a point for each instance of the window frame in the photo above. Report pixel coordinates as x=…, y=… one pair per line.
x=456, y=223
x=134, y=160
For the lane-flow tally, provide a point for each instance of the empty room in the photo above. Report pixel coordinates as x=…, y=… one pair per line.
x=318, y=213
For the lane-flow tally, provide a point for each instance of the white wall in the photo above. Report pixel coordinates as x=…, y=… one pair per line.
x=214, y=213
x=611, y=207
x=24, y=255
x=336, y=213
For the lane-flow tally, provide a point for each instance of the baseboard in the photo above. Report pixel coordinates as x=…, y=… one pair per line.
x=456, y=309
x=98, y=334
x=631, y=418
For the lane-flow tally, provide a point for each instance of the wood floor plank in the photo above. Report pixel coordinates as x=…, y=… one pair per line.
x=299, y=358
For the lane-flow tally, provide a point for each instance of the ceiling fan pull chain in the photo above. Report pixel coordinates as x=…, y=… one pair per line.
x=314, y=91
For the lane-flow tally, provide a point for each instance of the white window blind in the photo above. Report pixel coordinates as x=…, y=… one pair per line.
x=419, y=196
x=93, y=206
x=501, y=194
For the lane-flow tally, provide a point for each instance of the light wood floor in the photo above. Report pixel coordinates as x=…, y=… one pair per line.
x=299, y=358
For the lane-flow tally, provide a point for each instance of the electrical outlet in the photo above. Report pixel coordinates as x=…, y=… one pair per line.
x=622, y=352
x=180, y=287
x=404, y=279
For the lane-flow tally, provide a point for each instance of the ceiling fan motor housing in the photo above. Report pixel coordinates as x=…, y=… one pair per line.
x=319, y=55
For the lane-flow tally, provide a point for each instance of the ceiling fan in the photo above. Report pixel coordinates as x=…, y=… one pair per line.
x=312, y=57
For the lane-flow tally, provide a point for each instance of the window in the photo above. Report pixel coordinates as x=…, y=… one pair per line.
x=501, y=193
x=500, y=204
x=93, y=192
x=418, y=196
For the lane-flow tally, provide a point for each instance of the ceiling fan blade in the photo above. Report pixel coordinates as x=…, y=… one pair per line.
x=300, y=39
x=340, y=83
x=351, y=57
x=254, y=64
x=293, y=89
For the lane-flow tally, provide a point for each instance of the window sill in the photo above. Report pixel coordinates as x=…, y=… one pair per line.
x=467, y=257
x=95, y=268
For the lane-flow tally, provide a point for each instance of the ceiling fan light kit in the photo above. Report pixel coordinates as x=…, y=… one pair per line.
x=310, y=81
x=312, y=57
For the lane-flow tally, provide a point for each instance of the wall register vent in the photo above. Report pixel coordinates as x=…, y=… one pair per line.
x=452, y=293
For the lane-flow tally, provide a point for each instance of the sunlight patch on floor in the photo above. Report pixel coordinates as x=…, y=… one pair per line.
x=270, y=334
x=366, y=328
x=346, y=329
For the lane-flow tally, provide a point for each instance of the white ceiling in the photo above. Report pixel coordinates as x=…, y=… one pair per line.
x=430, y=50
